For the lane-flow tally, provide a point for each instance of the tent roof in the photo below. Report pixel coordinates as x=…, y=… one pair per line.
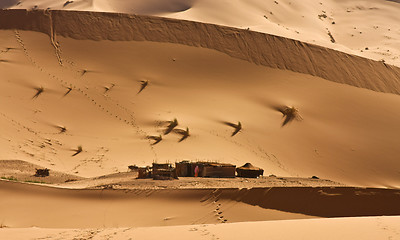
x=249, y=166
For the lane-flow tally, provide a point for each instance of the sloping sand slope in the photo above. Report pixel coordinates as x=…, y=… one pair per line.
x=371, y=228
x=365, y=28
x=23, y=171
x=347, y=134
x=258, y=48
x=25, y=205
x=87, y=94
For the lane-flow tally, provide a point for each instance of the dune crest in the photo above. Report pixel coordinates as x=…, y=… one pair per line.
x=93, y=208
x=362, y=28
x=259, y=48
x=148, y=7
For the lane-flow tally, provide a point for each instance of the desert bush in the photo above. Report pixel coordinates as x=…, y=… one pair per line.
x=42, y=172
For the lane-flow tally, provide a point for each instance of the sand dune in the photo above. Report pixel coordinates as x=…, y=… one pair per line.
x=198, y=86
x=268, y=50
x=370, y=228
x=22, y=204
x=364, y=28
x=86, y=94
x=18, y=170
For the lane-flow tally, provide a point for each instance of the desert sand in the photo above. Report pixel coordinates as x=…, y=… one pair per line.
x=87, y=93
x=368, y=228
x=365, y=28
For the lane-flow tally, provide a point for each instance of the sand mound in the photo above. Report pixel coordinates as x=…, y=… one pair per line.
x=122, y=208
x=258, y=48
x=363, y=28
x=17, y=170
x=135, y=208
x=89, y=119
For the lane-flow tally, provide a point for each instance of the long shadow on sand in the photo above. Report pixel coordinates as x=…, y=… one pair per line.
x=321, y=201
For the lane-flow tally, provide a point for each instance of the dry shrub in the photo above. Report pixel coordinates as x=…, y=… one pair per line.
x=42, y=172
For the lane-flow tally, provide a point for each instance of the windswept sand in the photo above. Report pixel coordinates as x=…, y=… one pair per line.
x=87, y=94
x=365, y=28
x=21, y=205
x=261, y=49
x=347, y=134
x=366, y=228
x=27, y=205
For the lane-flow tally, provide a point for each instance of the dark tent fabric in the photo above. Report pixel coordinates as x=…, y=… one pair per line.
x=248, y=170
x=249, y=166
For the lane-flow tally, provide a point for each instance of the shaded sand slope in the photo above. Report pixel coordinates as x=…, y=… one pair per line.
x=259, y=48
x=347, y=134
x=25, y=205
x=365, y=28
x=367, y=228
x=322, y=201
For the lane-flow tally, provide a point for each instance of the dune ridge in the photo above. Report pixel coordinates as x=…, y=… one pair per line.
x=366, y=28
x=97, y=207
x=259, y=48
